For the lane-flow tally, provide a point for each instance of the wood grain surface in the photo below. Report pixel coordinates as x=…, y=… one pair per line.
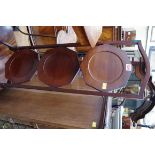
x=105, y=68
x=21, y=66
x=58, y=67
x=56, y=110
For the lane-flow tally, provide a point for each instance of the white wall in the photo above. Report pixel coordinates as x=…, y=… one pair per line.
x=149, y=43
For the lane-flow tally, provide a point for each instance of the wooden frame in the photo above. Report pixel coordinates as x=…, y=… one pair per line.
x=86, y=92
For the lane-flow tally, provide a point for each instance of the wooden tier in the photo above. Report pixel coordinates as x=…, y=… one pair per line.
x=52, y=110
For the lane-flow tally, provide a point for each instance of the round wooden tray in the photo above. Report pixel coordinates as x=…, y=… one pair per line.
x=106, y=68
x=21, y=66
x=58, y=67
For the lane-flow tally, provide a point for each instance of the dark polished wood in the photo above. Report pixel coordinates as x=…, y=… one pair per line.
x=140, y=70
x=115, y=43
x=55, y=110
x=105, y=68
x=58, y=67
x=21, y=66
x=72, y=91
x=147, y=69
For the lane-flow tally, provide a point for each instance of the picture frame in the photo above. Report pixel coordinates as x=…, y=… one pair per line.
x=129, y=34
